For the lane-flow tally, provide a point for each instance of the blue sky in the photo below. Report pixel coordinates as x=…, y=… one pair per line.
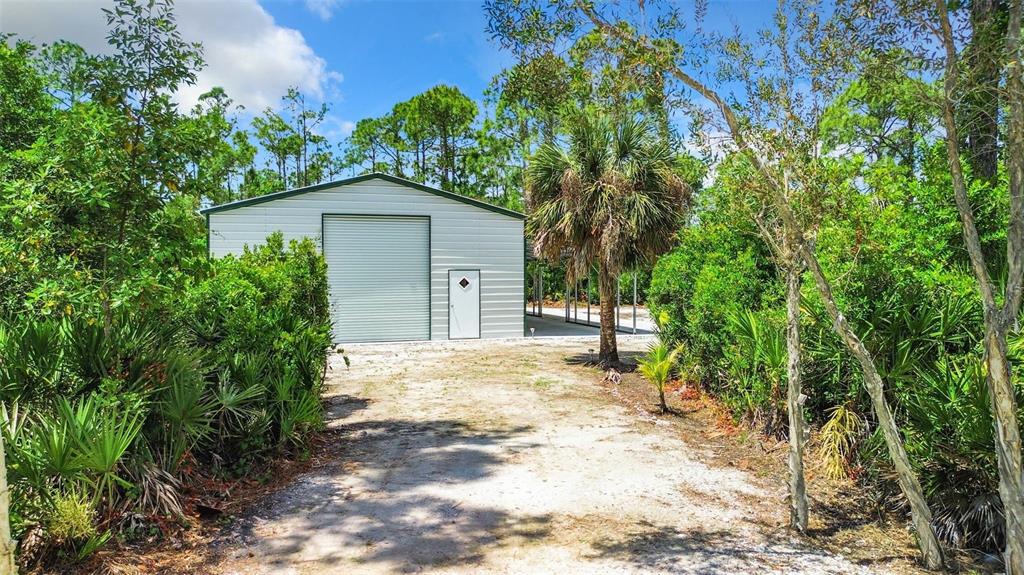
x=391, y=51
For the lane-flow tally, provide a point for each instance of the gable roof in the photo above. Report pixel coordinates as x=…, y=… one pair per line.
x=356, y=180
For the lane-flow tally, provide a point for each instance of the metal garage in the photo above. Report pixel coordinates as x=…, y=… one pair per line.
x=405, y=261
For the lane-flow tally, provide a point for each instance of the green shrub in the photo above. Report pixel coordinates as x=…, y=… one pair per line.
x=713, y=272
x=250, y=301
x=72, y=517
x=263, y=316
x=110, y=412
x=757, y=370
x=894, y=255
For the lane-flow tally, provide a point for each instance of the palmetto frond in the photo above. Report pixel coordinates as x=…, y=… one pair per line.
x=612, y=196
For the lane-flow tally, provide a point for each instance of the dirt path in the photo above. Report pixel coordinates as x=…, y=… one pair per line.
x=507, y=457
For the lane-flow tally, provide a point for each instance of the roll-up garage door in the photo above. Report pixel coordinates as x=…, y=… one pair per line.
x=378, y=270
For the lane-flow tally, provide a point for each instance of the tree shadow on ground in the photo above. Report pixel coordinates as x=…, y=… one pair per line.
x=666, y=549
x=627, y=360
x=343, y=406
x=845, y=518
x=840, y=514
x=378, y=502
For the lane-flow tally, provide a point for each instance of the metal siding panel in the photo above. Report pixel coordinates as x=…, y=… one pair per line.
x=377, y=270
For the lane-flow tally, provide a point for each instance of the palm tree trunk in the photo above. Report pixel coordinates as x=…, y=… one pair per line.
x=7, y=564
x=797, y=486
x=609, y=354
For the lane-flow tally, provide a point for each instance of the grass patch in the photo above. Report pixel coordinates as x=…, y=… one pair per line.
x=543, y=382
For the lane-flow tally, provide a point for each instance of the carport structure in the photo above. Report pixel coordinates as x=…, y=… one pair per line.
x=580, y=306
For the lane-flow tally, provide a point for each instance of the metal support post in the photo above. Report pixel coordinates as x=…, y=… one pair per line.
x=634, y=303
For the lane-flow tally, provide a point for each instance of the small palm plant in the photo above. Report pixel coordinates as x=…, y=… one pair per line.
x=765, y=348
x=657, y=367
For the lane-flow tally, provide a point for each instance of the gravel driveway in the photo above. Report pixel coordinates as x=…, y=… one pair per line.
x=507, y=457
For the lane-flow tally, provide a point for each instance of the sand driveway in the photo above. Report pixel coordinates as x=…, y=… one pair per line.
x=507, y=457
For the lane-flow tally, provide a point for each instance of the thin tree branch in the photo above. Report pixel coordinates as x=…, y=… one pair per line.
x=963, y=204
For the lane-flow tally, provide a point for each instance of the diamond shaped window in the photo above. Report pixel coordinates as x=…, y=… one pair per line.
x=464, y=283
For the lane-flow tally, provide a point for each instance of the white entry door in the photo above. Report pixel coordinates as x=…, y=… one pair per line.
x=463, y=304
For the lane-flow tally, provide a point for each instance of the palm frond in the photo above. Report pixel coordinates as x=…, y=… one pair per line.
x=613, y=195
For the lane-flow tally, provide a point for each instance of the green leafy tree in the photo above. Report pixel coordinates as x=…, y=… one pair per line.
x=312, y=154
x=969, y=108
x=377, y=144
x=25, y=106
x=216, y=152
x=446, y=116
x=279, y=140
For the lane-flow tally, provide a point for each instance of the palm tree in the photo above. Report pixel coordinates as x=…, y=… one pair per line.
x=613, y=197
x=657, y=367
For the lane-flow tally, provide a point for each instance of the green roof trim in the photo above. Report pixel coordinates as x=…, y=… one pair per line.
x=356, y=180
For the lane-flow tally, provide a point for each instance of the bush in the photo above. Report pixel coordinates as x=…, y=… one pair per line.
x=715, y=271
x=110, y=416
x=249, y=301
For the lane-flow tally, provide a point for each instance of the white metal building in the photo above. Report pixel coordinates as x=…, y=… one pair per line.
x=404, y=261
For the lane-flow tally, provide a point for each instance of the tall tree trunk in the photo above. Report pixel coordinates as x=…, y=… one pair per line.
x=998, y=318
x=797, y=486
x=7, y=564
x=1000, y=383
x=1008, y=445
x=609, y=354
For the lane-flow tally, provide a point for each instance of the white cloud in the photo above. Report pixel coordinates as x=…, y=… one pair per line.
x=335, y=129
x=322, y=8
x=248, y=54
x=435, y=37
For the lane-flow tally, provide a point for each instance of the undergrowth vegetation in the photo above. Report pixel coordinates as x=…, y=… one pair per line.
x=135, y=371
x=899, y=265
x=657, y=366
x=109, y=421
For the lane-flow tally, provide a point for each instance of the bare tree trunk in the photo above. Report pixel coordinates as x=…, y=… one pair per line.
x=998, y=318
x=609, y=354
x=797, y=486
x=1008, y=446
x=7, y=564
x=1000, y=383
x=920, y=514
